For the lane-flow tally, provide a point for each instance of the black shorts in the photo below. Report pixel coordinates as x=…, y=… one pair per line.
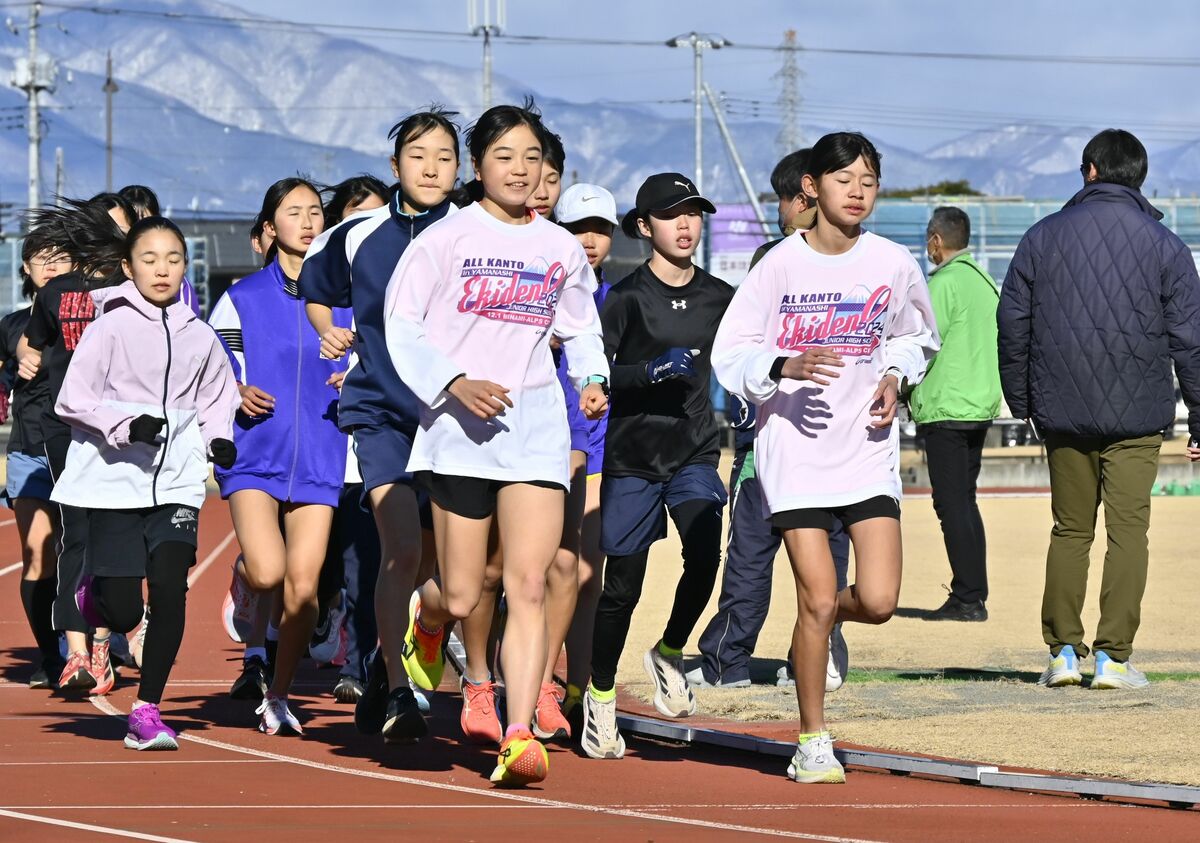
x=822, y=518
x=120, y=541
x=470, y=497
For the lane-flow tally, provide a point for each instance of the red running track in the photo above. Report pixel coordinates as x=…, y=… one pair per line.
x=66, y=775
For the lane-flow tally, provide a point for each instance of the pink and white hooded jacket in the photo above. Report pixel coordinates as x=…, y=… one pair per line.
x=139, y=359
x=814, y=446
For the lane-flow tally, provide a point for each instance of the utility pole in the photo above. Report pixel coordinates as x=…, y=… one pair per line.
x=751, y=193
x=33, y=74
x=699, y=43
x=480, y=22
x=789, y=138
x=59, y=176
x=110, y=88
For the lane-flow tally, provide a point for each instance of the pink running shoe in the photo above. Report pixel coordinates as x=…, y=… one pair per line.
x=548, y=720
x=239, y=607
x=147, y=731
x=479, y=720
x=102, y=669
x=77, y=675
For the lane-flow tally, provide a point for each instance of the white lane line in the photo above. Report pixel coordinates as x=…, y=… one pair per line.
x=108, y=708
x=138, y=761
x=16, y=566
x=257, y=807
x=212, y=557
x=461, y=807
x=95, y=829
x=9, y=521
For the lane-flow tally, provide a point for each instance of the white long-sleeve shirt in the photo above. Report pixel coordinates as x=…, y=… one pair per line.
x=476, y=296
x=814, y=445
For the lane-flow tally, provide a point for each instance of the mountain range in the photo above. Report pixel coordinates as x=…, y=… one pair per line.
x=210, y=115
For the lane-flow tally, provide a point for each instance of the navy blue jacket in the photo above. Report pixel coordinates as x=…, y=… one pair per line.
x=1099, y=301
x=350, y=266
x=295, y=453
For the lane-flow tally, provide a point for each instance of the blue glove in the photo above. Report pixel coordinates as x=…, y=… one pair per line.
x=741, y=413
x=673, y=363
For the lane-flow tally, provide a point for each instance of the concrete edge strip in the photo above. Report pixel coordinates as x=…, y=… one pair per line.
x=1176, y=796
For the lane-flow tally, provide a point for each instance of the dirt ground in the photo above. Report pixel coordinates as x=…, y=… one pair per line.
x=967, y=690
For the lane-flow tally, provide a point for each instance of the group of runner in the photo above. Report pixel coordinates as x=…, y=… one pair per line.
x=408, y=410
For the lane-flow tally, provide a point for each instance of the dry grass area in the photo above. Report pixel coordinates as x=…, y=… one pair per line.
x=967, y=690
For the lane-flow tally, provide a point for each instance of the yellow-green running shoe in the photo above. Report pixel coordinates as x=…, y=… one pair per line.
x=422, y=653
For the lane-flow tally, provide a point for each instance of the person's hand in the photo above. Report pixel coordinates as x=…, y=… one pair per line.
x=336, y=342
x=1193, y=450
x=483, y=398
x=593, y=402
x=255, y=402
x=145, y=429
x=555, y=342
x=222, y=453
x=336, y=380
x=28, y=364
x=672, y=363
x=813, y=365
x=742, y=414
x=885, y=401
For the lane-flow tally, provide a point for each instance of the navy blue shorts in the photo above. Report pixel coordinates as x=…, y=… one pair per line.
x=633, y=511
x=382, y=451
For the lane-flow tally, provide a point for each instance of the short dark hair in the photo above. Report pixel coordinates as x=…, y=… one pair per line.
x=148, y=224
x=838, y=150
x=112, y=201
x=416, y=125
x=141, y=198
x=1119, y=158
x=785, y=178
x=352, y=191
x=500, y=119
x=952, y=224
x=552, y=150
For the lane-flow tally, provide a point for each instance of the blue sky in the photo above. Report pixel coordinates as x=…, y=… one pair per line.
x=915, y=102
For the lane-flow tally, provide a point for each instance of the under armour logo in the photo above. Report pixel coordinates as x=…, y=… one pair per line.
x=685, y=186
x=678, y=304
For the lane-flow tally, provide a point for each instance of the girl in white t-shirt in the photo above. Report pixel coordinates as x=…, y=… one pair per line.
x=821, y=336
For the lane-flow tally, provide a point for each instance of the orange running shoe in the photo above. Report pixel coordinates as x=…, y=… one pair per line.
x=522, y=760
x=479, y=720
x=549, y=724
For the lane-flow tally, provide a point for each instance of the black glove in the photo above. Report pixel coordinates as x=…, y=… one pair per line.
x=223, y=453
x=672, y=363
x=741, y=413
x=145, y=429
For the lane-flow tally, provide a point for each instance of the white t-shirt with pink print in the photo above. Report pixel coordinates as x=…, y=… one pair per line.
x=814, y=445
x=476, y=296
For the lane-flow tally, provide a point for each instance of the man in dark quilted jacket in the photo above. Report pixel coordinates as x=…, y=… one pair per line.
x=1100, y=303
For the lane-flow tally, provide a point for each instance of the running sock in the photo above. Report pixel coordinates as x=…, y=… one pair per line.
x=422, y=629
x=251, y=652
x=100, y=639
x=573, y=691
x=471, y=681
x=602, y=696
x=808, y=736
x=37, y=597
x=514, y=728
x=137, y=704
x=669, y=652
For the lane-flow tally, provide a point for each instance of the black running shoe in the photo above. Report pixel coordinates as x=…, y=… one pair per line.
x=371, y=708
x=253, y=683
x=957, y=610
x=348, y=690
x=404, y=722
x=44, y=677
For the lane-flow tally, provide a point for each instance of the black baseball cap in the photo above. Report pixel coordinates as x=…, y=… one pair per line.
x=661, y=192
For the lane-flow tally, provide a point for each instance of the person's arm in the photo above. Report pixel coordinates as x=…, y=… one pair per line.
x=325, y=284
x=744, y=358
x=1013, y=321
x=577, y=323
x=1181, y=316
x=217, y=397
x=909, y=343
x=614, y=319
x=79, y=401
x=41, y=331
x=227, y=323
x=947, y=311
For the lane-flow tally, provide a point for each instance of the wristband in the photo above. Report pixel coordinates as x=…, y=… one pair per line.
x=600, y=380
x=777, y=369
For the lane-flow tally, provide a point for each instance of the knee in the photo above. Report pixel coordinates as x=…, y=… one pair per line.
x=527, y=590
x=261, y=578
x=820, y=609
x=565, y=566
x=124, y=616
x=460, y=603
x=301, y=592
x=877, y=609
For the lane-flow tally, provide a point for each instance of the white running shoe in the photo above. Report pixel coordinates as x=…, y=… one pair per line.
x=695, y=678
x=1111, y=674
x=815, y=763
x=839, y=660
x=601, y=738
x=1063, y=670
x=325, y=650
x=138, y=644
x=276, y=718
x=239, y=607
x=673, y=696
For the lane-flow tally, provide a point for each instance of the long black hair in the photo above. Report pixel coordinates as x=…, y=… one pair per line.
x=350, y=192
x=142, y=198
x=83, y=231
x=493, y=124
x=114, y=201
x=148, y=224
x=273, y=198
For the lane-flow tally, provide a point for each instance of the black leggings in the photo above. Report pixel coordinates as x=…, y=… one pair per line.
x=119, y=600
x=699, y=526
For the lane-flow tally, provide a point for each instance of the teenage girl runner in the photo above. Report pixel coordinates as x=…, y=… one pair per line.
x=28, y=472
x=822, y=335
x=470, y=310
x=150, y=397
x=283, y=491
x=88, y=235
x=590, y=213
x=349, y=267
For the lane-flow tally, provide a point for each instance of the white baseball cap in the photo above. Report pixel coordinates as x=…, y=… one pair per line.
x=581, y=201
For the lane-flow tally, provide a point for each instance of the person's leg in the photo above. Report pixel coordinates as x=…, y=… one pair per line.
x=1074, y=499
x=399, y=526
x=360, y=564
x=306, y=527
x=1127, y=470
x=256, y=521
x=167, y=587
x=530, y=519
x=71, y=552
x=35, y=529
x=591, y=580
x=878, y=564
x=975, y=442
x=623, y=577
x=947, y=453
x=699, y=526
x=562, y=580
x=728, y=641
x=816, y=611
x=477, y=626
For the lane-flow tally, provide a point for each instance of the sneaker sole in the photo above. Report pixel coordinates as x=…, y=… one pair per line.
x=80, y=680
x=559, y=734
x=834, y=776
x=407, y=728
x=347, y=695
x=284, y=731
x=660, y=699
x=103, y=688
x=530, y=767
x=250, y=691
x=1117, y=685
x=1063, y=681
x=161, y=741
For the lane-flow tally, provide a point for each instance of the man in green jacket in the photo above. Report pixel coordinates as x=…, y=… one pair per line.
x=955, y=404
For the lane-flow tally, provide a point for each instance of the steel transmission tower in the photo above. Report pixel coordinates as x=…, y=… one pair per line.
x=789, y=138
